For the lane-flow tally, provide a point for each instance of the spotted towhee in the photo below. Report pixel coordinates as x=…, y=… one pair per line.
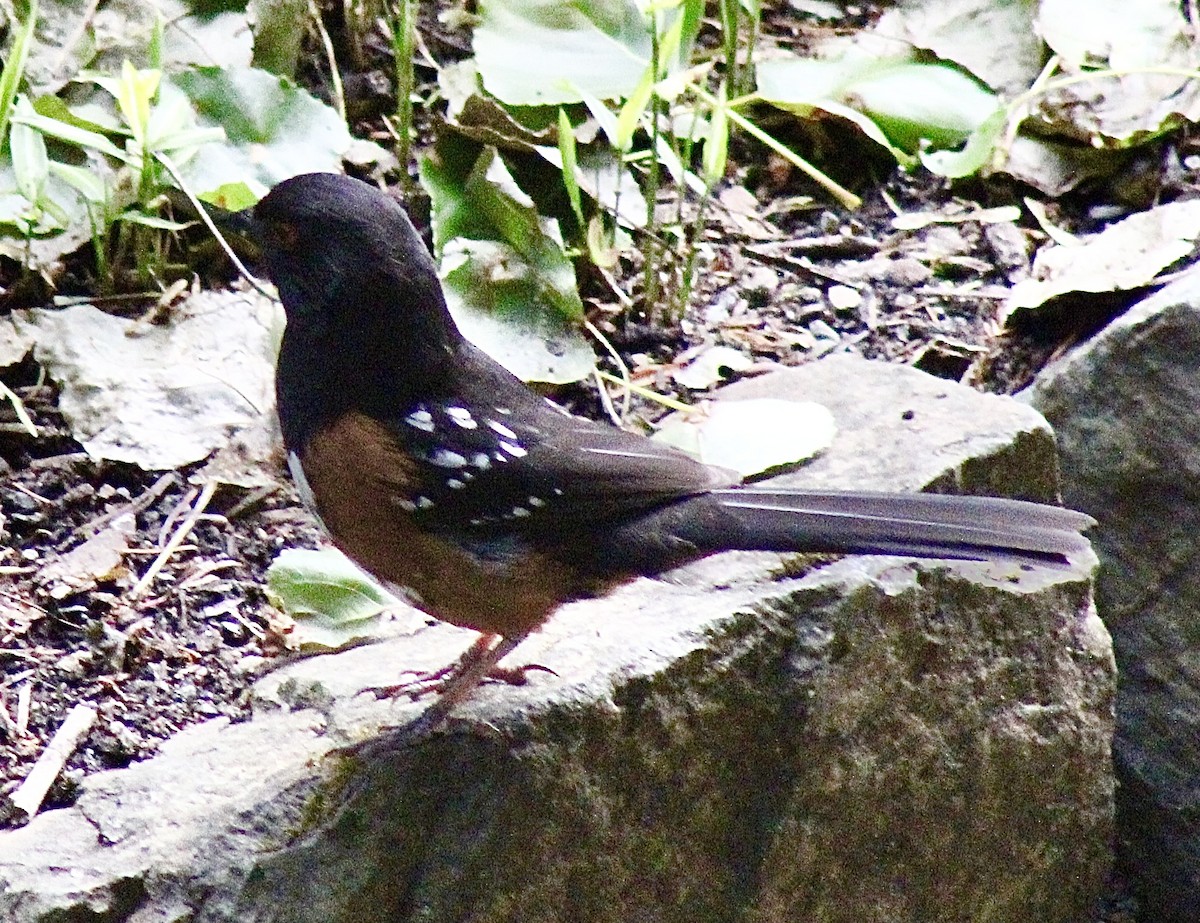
x=444, y=476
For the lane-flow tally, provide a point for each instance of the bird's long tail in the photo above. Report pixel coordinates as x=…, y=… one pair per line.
x=861, y=522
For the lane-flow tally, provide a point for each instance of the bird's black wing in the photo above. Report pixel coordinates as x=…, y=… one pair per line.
x=488, y=467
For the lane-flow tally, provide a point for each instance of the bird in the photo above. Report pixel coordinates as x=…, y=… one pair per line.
x=489, y=506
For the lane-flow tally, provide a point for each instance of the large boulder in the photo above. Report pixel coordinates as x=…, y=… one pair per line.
x=1125, y=409
x=756, y=737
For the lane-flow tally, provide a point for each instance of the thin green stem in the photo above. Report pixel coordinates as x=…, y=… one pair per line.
x=729, y=26
x=844, y=196
x=403, y=45
x=650, y=283
x=668, y=402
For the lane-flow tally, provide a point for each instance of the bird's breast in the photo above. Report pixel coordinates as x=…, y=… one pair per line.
x=370, y=494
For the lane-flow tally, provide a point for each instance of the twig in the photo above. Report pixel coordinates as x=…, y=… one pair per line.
x=185, y=527
x=178, y=513
x=245, y=273
x=24, y=703
x=617, y=418
x=28, y=797
x=36, y=498
x=251, y=500
x=335, y=78
x=845, y=197
x=137, y=505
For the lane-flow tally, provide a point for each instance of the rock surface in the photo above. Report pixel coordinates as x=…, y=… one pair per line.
x=756, y=738
x=1125, y=409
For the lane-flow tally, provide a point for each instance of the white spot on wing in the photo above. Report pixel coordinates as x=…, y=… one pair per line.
x=420, y=419
x=444, y=458
x=501, y=430
x=512, y=449
x=462, y=417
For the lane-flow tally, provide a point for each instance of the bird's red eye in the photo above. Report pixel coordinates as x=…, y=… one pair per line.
x=283, y=234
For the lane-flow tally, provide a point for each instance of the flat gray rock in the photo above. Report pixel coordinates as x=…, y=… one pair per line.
x=751, y=738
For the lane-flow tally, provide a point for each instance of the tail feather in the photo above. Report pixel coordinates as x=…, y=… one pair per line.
x=922, y=525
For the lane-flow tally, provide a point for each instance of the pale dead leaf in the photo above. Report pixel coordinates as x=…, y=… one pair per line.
x=168, y=395
x=710, y=366
x=751, y=437
x=1135, y=38
x=1126, y=255
x=99, y=558
x=14, y=344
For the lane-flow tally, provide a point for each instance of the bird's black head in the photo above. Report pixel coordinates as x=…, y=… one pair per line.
x=367, y=324
x=342, y=252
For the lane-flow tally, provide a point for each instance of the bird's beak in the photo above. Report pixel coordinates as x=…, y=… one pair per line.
x=238, y=233
x=237, y=224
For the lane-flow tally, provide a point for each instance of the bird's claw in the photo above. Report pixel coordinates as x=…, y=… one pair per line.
x=432, y=681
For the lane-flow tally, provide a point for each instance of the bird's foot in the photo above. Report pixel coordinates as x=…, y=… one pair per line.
x=454, y=683
x=474, y=660
x=435, y=681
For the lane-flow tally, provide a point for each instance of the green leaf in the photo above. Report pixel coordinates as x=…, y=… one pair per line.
x=333, y=602
x=136, y=97
x=508, y=282
x=485, y=203
x=498, y=303
x=233, y=197
x=188, y=138
x=134, y=92
x=630, y=116
x=925, y=102
x=72, y=134
x=716, y=145
x=975, y=154
x=570, y=162
x=61, y=218
x=602, y=114
x=54, y=107
x=154, y=50
x=14, y=66
x=805, y=86
x=531, y=52
x=31, y=165
x=897, y=103
x=600, y=172
x=134, y=216
x=82, y=180
x=274, y=130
